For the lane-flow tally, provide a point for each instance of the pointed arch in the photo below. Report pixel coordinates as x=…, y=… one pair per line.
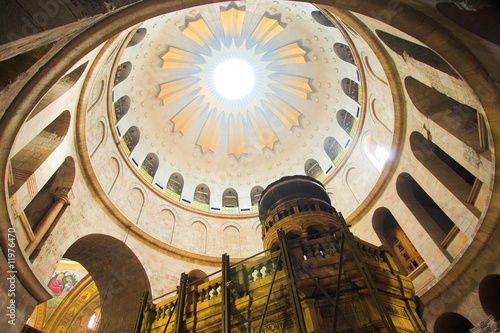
x=97, y=136
x=100, y=93
x=116, y=172
x=135, y=205
x=167, y=224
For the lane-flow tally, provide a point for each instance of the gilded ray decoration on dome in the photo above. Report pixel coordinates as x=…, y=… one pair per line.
x=251, y=44
x=287, y=103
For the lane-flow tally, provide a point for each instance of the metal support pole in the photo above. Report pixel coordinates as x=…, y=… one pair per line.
x=292, y=287
x=276, y=268
x=170, y=317
x=370, y=285
x=181, y=300
x=140, y=315
x=320, y=287
x=339, y=279
x=226, y=321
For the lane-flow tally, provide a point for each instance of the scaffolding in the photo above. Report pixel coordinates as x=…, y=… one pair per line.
x=288, y=260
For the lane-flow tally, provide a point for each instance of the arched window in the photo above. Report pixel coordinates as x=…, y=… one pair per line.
x=351, y=89
x=91, y=322
x=449, y=172
x=27, y=160
x=60, y=88
x=436, y=223
x=458, y=119
x=139, y=35
x=347, y=122
x=313, y=232
x=196, y=277
x=418, y=52
x=334, y=150
x=312, y=169
x=149, y=167
x=291, y=235
x=120, y=108
x=451, y=322
x=201, y=198
x=322, y=19
x=130, y=139
x=230, y=201
x=122, y=72
x=395, y=240
x=174, y=186
x=255, y=194
x=377, y=154
x=344, y=53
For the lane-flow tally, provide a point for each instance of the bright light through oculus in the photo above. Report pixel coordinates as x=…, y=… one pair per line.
x=234, y=79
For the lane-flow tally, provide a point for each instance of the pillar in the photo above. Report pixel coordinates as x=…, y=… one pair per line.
x=60, y=202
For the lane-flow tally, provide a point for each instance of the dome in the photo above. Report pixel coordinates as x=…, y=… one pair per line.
x=293, y=76
x=122, y=133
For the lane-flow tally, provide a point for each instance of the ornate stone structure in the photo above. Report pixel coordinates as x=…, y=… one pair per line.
x=314, y=276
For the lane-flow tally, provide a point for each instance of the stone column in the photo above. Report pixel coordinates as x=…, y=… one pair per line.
x=60, y=202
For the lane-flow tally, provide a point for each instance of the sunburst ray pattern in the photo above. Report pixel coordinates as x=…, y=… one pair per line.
x=271, y=63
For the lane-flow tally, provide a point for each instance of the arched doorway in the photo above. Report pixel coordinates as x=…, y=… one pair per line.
x=118, y=275
x=489, y=295
x=451, y=322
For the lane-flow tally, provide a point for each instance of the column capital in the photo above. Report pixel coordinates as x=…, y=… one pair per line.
x=63, y=198
x=61, y=194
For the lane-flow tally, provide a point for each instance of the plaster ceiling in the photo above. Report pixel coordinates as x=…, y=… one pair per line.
x=282, y=127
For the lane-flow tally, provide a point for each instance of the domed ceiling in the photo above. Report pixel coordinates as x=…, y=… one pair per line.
x=213, y=103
